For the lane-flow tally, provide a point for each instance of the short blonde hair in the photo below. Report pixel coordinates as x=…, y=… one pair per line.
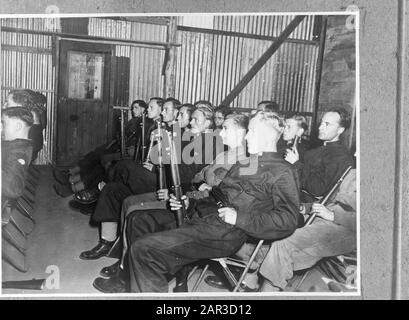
x=272, y=119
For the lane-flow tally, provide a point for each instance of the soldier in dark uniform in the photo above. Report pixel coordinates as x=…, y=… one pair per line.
x=92, y=168
x=16, y=150
x=35, y=102
x=132, y=181
x=261, y=201
x=324, y=165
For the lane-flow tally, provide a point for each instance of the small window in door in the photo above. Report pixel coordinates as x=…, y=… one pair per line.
x=85, y=75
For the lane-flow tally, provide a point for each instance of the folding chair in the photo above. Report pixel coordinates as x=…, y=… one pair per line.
x=225, y=262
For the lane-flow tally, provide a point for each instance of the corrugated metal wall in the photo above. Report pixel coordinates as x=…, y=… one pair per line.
x=209, y=65
x=146, y=78
x=27, y=63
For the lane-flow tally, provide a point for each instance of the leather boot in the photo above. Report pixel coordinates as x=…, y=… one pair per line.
x=100, y=250
x=111, y=270
x=115, y=284
x=181, y=279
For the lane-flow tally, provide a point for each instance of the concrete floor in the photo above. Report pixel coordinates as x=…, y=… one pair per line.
x=61, y=234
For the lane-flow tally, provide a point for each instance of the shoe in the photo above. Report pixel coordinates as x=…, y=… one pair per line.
x=245, y=288
x=181, y=279
x=220, y=283
x=88, y=196
x=181, y=288
x=215, y=282
x=62, y=190
x=86, y=209
x=61, y=176
x=111, y=270
x=100, y=250
x=111, y=285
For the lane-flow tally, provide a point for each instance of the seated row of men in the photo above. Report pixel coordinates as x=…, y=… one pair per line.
x=230, y=197
x=23, y=118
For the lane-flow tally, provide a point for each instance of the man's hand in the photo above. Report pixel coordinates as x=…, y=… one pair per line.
x=322, y=211
x=292, y=156
x=204, y=186
x=148, y=166
x=163, y=194
x=228, y=215
x=176, y=205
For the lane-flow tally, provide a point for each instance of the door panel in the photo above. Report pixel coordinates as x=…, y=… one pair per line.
x=83, y=99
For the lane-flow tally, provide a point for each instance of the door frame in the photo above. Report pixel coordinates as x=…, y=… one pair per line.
x=62, y=80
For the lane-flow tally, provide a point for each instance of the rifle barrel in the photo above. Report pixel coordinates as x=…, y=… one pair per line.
x=329, y=194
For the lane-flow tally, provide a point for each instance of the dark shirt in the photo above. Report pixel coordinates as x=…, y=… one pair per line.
x=36, y=136
x=323, y=166
x=15, y=157
x=194, y=153
x=266, y=200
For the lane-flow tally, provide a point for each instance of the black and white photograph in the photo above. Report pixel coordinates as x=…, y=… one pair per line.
x=199, y=154
x=219, y=150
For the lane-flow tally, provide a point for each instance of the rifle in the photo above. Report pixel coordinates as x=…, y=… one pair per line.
x=34, y=284
x=143, y=136
x=161, y=169
x=180, y=213
x=328, y=196
x=218, y=195
x=147, y=162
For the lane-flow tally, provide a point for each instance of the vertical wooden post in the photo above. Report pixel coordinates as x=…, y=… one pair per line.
x=170, y=60
x=55, y=110
x=318, y=73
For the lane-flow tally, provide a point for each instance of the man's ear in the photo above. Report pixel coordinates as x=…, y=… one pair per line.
x=300, y=132
x=340, y=130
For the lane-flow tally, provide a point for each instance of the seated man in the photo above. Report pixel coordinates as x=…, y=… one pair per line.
x=233, y=133
x=35, y=103
x=295, y=127
x=261, y=201
x=92, y=168
x=323, y=166
x=16, y=150
x=333, y=232
x=135, y=179
x=220, y=114
x=292, y=139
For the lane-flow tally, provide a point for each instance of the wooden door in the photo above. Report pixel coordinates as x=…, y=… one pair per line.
x=83, y=113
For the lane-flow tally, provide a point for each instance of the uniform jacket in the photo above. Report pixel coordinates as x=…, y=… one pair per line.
x=16, y=157
x=323, y=166
x=265, y=197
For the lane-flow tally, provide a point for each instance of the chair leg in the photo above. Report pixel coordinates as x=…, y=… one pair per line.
x=192, y=272
x=246, y=269
x=230, y=276
x=304, y=276
x=200, y=279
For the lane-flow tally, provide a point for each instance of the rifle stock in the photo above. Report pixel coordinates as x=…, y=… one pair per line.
x=161, y=169
x=329, y=194
x=181, y=213
x=143, y=137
